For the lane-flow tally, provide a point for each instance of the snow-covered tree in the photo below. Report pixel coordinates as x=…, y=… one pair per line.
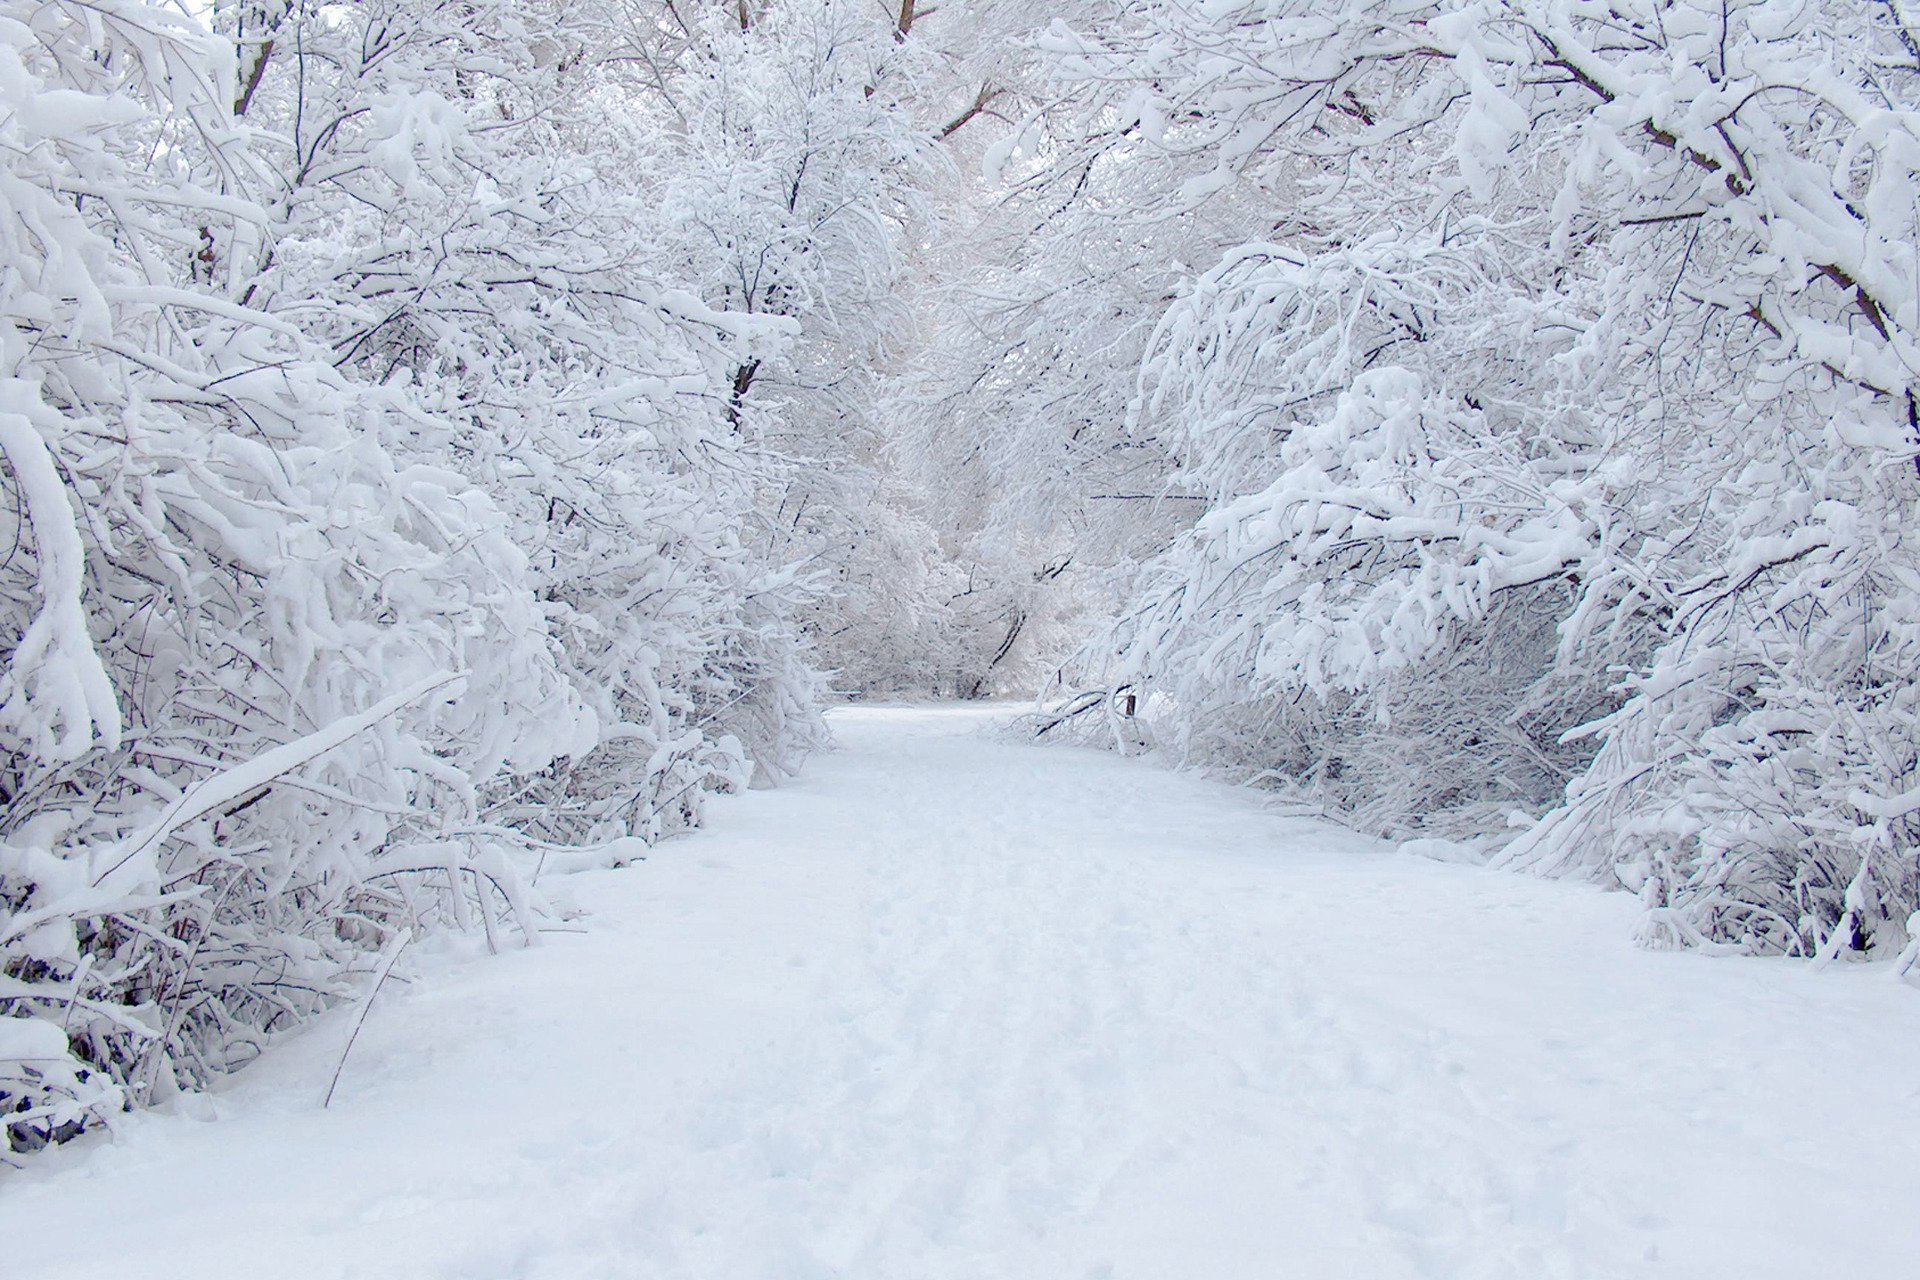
x=468, y=230
x=258, y=663
x=376, y=511
x=1556, y=429
x=789, y=160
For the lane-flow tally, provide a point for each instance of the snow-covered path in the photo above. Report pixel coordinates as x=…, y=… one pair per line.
x=950, y=1007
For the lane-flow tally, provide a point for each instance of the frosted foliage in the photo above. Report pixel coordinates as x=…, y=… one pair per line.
x=808, y=153
x=443, y=444
x=792, y=164
x=374, y=525
x=1557, y=439
x=468, y=233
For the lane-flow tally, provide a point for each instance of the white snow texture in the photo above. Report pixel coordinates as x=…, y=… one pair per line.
x=450, y=447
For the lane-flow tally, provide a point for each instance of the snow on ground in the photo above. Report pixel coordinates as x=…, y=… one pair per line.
x=952, y=1007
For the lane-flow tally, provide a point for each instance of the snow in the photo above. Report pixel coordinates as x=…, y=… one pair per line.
x=54, y=694
x=952, y=1006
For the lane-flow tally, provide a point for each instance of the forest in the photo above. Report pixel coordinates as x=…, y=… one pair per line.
x=448, y=442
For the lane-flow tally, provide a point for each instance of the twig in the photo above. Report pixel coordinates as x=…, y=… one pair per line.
x=392, y=953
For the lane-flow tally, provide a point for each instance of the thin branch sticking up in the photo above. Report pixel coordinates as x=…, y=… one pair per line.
x=395, y=945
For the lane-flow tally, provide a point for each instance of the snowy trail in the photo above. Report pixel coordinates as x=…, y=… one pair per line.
x=951, y=1007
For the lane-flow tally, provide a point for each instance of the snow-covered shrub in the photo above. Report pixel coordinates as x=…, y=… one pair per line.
x=468, y=234
x=258, y=666
x=375, y=521
x=1392, y=593
x=1557, y=425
